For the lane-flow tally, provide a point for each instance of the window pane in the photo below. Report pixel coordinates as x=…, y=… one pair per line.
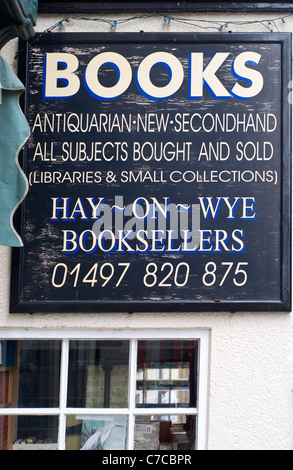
x=30, y=374
x=96, y=432
x=9, y=374
x=98, y=374
x=161, y=433
x=166, y=374
x=39, y=377
x=28, y=432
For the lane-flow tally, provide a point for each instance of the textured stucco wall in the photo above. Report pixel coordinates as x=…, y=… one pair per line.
x=251, y=363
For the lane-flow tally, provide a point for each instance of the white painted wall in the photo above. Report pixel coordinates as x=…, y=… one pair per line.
x=251, y=363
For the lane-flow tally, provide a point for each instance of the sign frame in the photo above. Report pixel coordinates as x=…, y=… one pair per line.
x=18, y=306
x=67, y=6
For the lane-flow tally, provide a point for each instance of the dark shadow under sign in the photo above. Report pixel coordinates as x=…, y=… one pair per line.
x=159, y=171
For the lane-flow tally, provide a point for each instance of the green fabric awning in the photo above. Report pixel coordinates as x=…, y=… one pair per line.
x=14, y=132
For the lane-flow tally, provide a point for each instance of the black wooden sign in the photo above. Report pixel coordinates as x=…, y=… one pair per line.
x=159, y=174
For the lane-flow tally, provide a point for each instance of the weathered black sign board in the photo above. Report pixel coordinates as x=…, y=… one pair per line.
x=159, y=172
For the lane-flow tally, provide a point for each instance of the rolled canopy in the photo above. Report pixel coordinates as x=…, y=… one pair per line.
x=14, y=132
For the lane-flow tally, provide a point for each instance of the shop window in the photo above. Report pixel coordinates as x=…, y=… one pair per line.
x=98, y=374
x=29, y=378
x=39, y=374
x=104, y=432
x=34, y=432
x=94, y=393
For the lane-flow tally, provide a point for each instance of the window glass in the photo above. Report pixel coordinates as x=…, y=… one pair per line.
x=39, y=374
x=96, y=432
x=165, y=433
x=29, y=432
x=30, y=374
x=166, y=374
x=162, y=407
x=9, y=373
x=98, y=374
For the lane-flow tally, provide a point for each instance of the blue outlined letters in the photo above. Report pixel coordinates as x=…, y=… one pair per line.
x=61, y=80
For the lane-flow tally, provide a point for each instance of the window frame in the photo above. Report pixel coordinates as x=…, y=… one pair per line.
x=133, y=336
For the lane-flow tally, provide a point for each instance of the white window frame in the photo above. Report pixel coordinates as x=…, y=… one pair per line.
x=133, y=336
